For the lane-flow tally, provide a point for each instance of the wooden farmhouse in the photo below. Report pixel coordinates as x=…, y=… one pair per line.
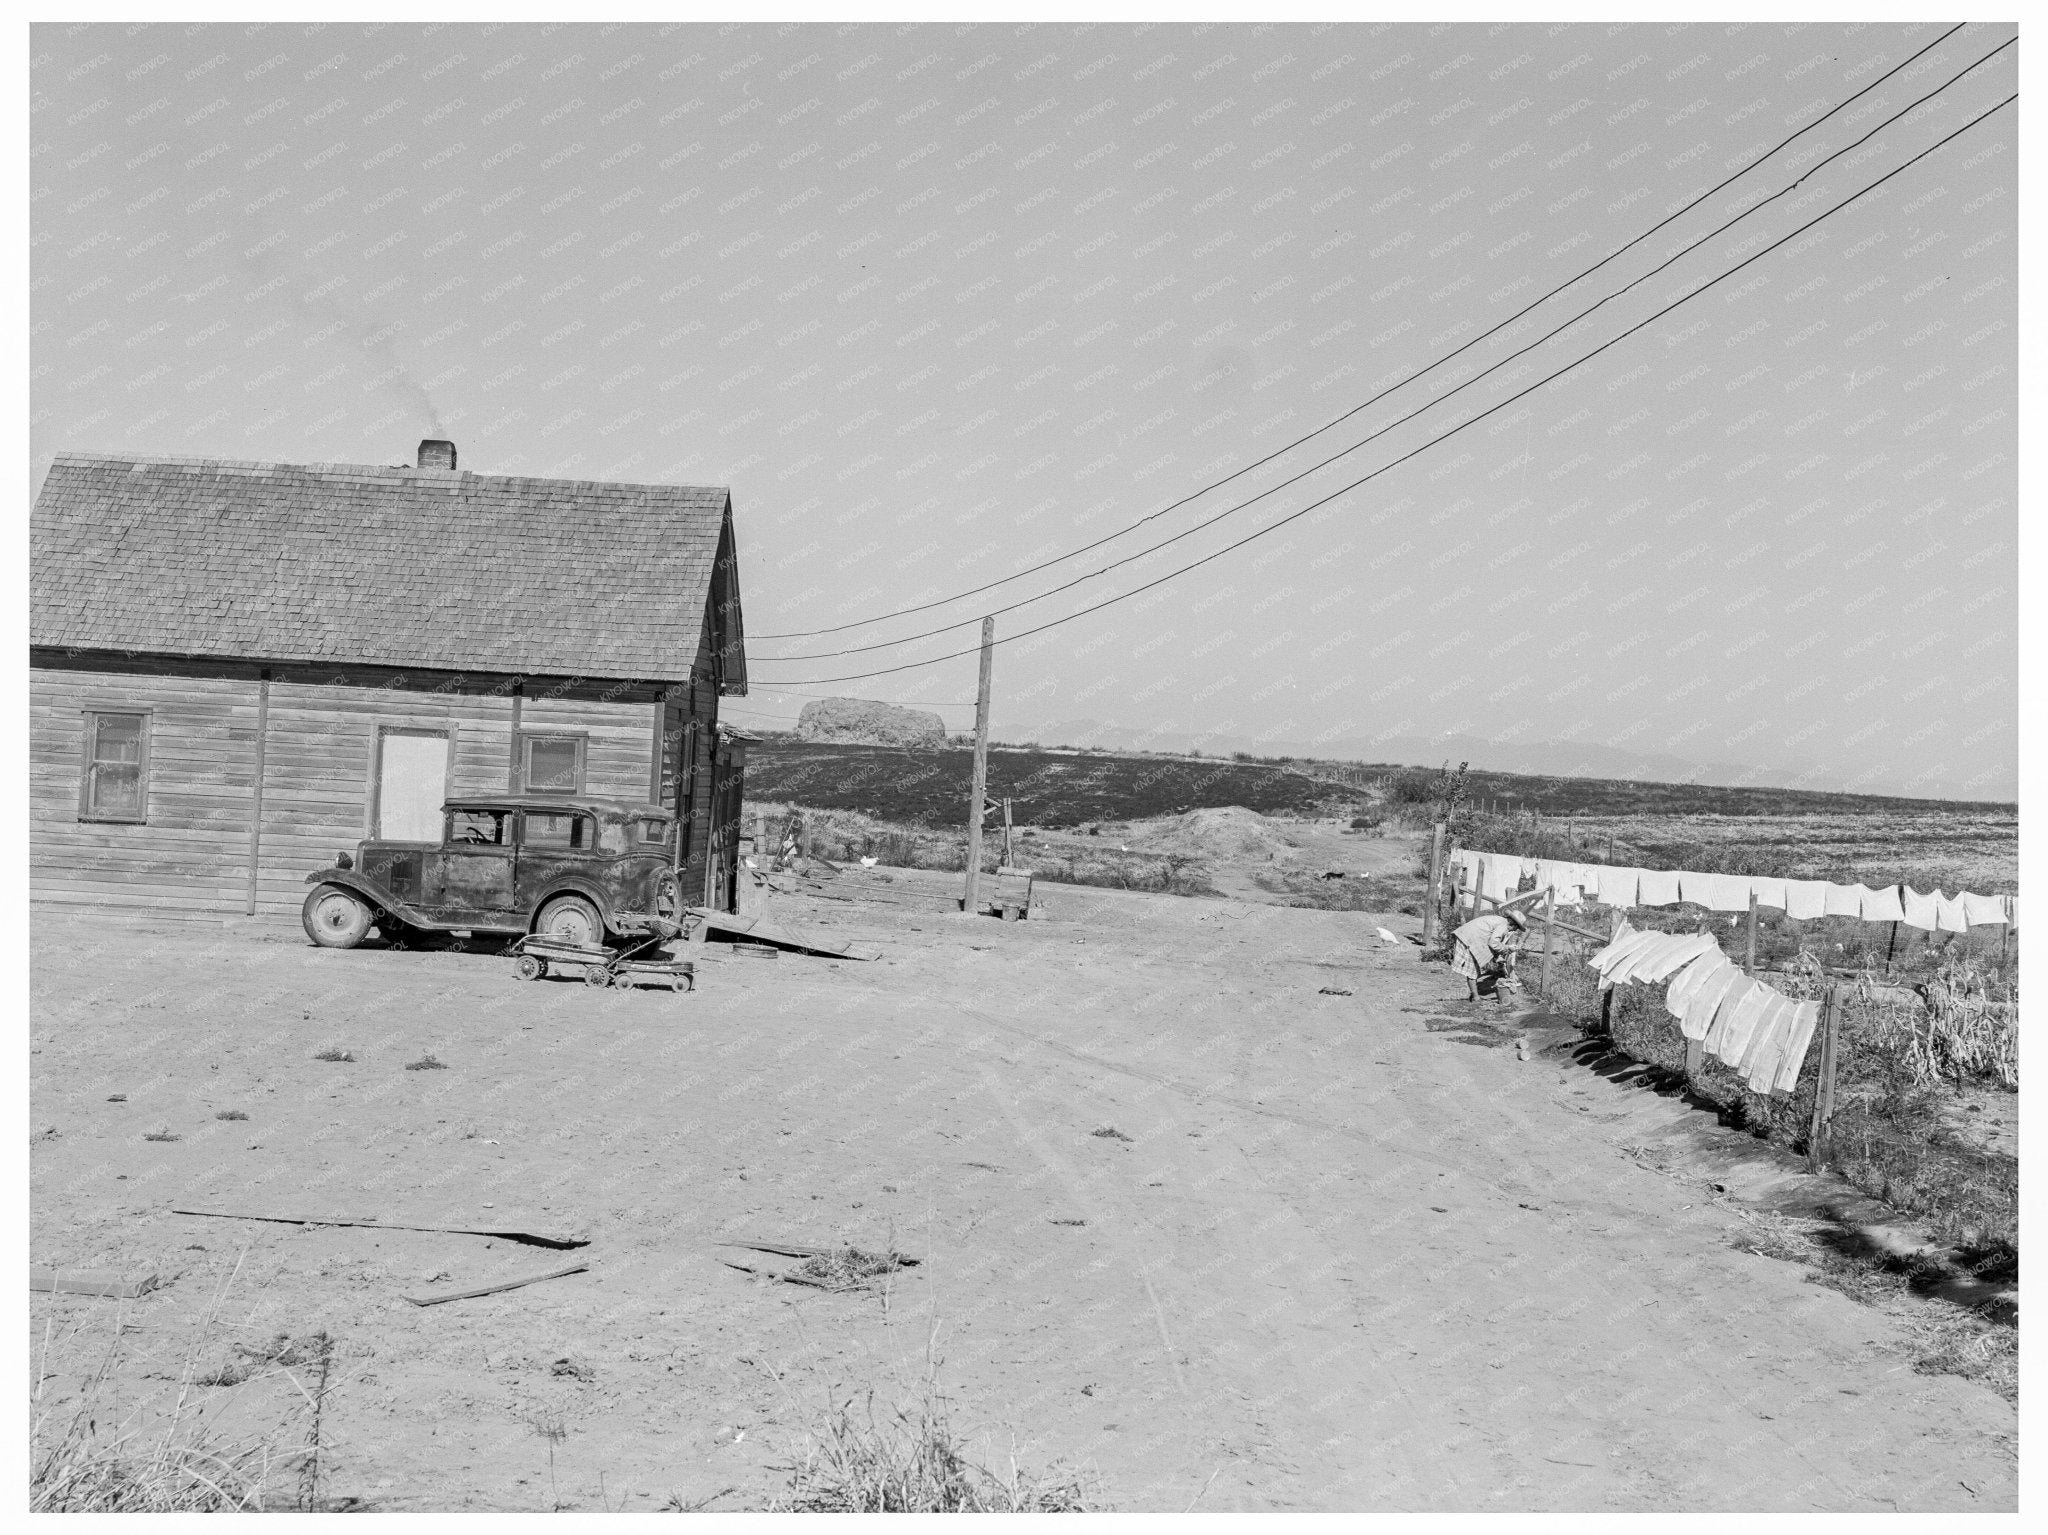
x=238, y=670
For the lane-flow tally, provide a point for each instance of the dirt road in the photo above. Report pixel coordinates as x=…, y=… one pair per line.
x=1343, y=1260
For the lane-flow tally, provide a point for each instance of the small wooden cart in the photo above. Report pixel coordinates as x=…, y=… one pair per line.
x=539, y=954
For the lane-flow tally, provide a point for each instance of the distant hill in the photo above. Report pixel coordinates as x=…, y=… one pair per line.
x=1070, y=788
x=1563, y=759
x=1052, y=789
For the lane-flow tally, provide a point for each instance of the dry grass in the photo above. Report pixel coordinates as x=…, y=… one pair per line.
x=1939, y=1339
x=907, y=1461
x=112, y=1450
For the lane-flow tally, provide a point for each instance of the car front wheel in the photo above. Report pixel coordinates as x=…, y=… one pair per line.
x=572, y=919
x=335, y=919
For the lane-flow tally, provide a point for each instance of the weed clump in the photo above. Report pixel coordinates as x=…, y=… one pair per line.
x=848, y=1268
x=230, y=1114
x=335, y=1053
x=426, y=1063
x=908, y=1462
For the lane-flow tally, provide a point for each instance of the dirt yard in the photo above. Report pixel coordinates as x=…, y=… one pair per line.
x=1339, y=1255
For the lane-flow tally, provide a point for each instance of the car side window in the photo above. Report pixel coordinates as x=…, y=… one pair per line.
x=477, y=828
x=556, y=830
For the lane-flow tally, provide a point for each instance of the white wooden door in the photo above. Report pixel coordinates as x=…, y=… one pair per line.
x=412, y=781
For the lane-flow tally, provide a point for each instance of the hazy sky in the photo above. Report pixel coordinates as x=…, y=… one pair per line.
x=940, y=302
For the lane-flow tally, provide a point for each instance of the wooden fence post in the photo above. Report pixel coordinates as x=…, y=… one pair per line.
x=1824, y=1082
x=1436, y=870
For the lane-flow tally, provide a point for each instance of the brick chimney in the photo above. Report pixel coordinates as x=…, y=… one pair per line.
x=437, y=454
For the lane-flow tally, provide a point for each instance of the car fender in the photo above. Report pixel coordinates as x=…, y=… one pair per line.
x=573, y=884
x=372, y=891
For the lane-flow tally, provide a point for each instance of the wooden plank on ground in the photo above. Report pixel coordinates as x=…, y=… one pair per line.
x=507, y=1233
x=90, y=1282
x=493, y=1289
x=768, y=932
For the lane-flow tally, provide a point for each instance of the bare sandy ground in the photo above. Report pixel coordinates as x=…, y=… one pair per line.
x=1342, y=1262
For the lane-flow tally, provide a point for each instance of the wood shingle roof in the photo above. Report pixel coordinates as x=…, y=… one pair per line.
x=367, y=565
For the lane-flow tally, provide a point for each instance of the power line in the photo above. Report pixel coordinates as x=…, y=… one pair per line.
x=1399, y=421
x=1490, y=410
x=795, y=634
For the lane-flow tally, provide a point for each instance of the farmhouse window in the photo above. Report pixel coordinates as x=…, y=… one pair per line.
x=552, y=763
x=114, y=784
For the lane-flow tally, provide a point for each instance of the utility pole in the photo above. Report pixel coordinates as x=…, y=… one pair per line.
x=977, y=795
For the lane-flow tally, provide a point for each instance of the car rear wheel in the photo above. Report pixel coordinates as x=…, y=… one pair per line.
x=335, y=919
x=571, y=919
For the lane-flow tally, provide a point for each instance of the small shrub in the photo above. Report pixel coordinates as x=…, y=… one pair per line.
x=1109, y=1133
x=908, y=1462
x=848, y=1268
x=230, y=1114
x=426, y=1063
x=335, y=1053
x=163, y=1134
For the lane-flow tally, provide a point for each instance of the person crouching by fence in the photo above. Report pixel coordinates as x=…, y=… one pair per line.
x=1484, y=951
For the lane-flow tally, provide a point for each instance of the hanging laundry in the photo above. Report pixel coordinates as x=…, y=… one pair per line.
x=1843, y=900
x=1763, y=1039
x=1724, y=1014
x=1709, y=975
x=1587, y=877
x=1698, y=889
x=1948, y=914
x=1883, y=905
x=1617, y=887
x=1728, y=892
x=1768, y=892
x=1707, y=999
x=1625, y=943
x=1742, y=1023
x=1805, y=899
x=1665, y=957
x=1499, y=875
x=1678, y=994
x=1800, y=1035
x=1920, y=909
x=1657, y=887
x=1983, y=910
x=1760, y=1066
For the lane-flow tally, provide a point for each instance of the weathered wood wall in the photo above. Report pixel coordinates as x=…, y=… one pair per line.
x=319, y=761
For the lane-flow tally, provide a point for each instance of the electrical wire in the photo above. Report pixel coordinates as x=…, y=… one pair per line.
x=794, y=634
x=1490, y=410
x=1374, y=436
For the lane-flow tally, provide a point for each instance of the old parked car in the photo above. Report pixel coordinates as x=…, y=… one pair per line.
x=580, y=869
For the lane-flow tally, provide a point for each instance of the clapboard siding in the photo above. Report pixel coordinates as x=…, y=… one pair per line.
x=319, y=761
x=201, y=770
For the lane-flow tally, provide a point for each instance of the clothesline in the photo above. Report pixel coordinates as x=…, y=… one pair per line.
x=1499, y=875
